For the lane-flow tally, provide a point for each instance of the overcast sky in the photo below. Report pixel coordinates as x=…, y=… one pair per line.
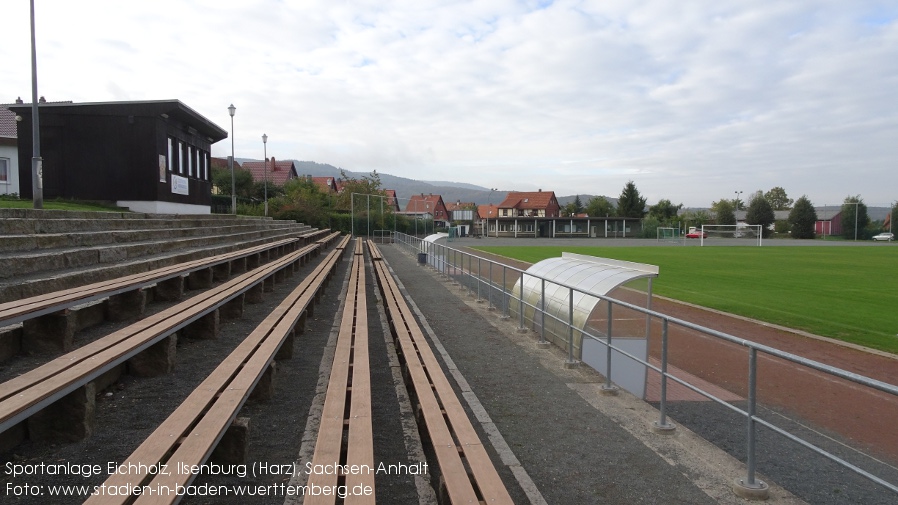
x=691, y=100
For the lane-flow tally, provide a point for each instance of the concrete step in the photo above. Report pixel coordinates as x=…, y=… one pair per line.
x=15, y=264
x=46, y=281
x=44, y=241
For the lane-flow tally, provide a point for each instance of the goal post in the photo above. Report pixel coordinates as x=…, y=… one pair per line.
x=670, y=235
x=731, y=234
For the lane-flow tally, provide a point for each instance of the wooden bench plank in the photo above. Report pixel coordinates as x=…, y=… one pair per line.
x=218, y=399
x=27, y=393
x=20, y=310
x=420, y=357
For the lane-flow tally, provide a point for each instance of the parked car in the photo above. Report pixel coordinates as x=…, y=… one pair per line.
x=885, y=236
x=697, y=234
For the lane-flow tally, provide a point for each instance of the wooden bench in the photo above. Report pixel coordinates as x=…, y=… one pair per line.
x=345, y=434
x=30, y=392
x=28, y=308
x=189, y=435
x=452, y=436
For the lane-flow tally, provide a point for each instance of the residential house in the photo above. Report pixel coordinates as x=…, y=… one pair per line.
x=327, y=185
x=530, y=204
x=149, y=156
x=392, y=200
x=422, y=204
x=275, y=172
x=9, y=153
x=461, y=211
x=485, y=214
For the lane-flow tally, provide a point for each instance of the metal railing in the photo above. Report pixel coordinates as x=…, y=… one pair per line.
x=460, y=265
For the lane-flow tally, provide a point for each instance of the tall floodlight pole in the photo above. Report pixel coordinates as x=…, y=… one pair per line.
x=37, y=176
x=738, y=196
x=231, y=111
x=265, y=147
x=489, y=207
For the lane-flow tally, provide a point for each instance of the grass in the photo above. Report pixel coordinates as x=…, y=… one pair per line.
x=14, y=203
x=846, y=293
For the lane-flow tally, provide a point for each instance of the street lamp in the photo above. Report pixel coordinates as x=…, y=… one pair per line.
x=738, y=196
x=489, y=207
x=231, y=111
x=37, y=183
x=265, y=146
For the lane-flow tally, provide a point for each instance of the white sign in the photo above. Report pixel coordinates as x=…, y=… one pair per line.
x=179, y=185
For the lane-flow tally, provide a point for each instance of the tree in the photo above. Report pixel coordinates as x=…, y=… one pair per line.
x=724, y=212
x=778, y=199
x=599, y=206
x=243, y=181
x=665, y=211
x=854, y=218
x=367, y=185
x=760, y=212
x=630, y=204
x=802, y=219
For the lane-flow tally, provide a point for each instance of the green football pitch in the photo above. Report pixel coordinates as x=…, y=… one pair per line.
x=846, y=293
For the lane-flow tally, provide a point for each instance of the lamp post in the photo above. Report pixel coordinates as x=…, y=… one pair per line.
x=489, y=207
x=231, y=111
x=37, y=176
x=265, y=147
x=738, y=196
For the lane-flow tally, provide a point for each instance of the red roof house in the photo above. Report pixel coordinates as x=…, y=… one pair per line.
x=279, y=172
x=430, y=204
x=530, y=204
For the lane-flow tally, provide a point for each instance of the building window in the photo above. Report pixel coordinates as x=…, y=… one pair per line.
x=191, y=156
x=169, y=160
x=4, y=170
x=182, y=154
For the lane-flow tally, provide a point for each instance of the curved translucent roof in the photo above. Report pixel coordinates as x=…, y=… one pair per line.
x=424, y=245
x=590, y=274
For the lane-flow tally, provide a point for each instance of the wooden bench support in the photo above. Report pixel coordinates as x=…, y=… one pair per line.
x=234, y=444
x=222, y=271
x=254, y=294
x=253, y=261
x=200, y=279
x=158, y=359
x=10, y=341
x=264, y=389
x=49, y=334
x=13, y=436
x=68, y=420
x=234, y=308
x=286, y=350
x=204, y=328
x=281, y=275
x=238, y=266
x=268, y=284
x=127, y=305
x=170, y=290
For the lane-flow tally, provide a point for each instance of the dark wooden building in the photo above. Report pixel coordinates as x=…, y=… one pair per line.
x=149, y=156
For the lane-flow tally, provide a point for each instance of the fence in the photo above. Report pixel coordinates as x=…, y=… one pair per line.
x=864, y=399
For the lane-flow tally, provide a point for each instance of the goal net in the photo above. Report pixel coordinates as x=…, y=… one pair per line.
x=670, y=235
x=731, y=234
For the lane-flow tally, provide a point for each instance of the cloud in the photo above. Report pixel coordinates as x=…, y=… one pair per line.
x=690, y=100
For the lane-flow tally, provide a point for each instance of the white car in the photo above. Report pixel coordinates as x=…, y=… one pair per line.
x=885, y=236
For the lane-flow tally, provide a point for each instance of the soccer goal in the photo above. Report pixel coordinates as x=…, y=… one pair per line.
x=669, y=235
x=731, y=234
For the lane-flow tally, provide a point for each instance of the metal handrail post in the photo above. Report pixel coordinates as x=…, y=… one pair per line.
x=521, y=326
x=752, y=408
x=662, y=425
x=505, y=302
x=489, y=291
x=542, y=311
x=608, y=385
x=479, y=299
x=570, y=328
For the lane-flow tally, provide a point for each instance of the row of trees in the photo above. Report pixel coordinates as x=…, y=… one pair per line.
x=304, y=201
